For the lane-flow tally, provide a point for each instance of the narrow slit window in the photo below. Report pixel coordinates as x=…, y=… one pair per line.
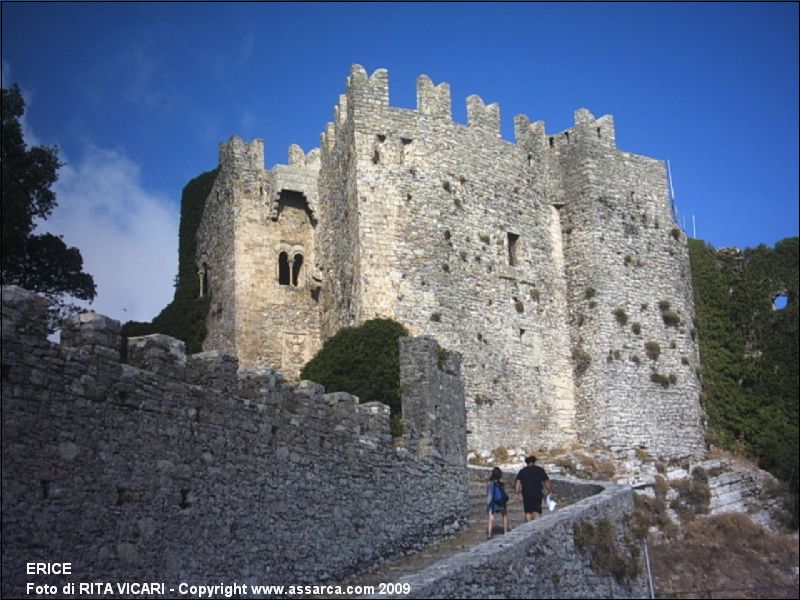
x=204, y=281
x=513, y=249
x=283, y=269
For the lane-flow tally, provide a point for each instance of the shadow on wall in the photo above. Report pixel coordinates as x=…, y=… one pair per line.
x=177, y=468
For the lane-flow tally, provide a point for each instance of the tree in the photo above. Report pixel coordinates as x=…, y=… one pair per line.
x=749, y=352
x=38, y=262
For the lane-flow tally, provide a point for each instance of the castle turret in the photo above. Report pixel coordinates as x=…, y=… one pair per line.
x=635, y=358
x=552, y=264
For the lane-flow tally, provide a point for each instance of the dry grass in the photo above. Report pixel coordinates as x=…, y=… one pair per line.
x=600, y=541
x=501, y=455
x=725, y=552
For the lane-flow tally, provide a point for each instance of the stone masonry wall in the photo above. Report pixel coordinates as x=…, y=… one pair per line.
x=215, y=252
x=554, y=557
x=552, y=264
x=176, y=468
x=337, y=240
x=635, y=354
x=253, y=216
x=438, y=203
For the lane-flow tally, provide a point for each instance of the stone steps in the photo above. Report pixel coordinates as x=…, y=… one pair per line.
x=475, y=534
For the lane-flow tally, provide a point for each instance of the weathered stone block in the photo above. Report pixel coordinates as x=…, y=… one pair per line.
x=158, y=353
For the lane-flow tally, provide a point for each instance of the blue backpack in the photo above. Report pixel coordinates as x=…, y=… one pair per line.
x=499, y=495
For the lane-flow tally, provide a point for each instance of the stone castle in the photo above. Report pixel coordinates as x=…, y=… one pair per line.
x=553, y=265
x=173, y=468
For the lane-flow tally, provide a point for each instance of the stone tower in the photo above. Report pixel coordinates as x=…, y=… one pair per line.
x=552, y=264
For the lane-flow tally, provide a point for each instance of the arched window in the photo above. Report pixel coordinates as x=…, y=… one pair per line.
x=283, y=269
x=297, y=267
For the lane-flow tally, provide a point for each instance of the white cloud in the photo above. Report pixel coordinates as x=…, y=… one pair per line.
x=127, y=235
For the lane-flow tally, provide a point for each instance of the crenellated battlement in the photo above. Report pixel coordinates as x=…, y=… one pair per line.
x=367, y=91
x=434, y=100
x=97, y=337
x=168, y=456
x=587, y=130
x=368, y=95
x=519, y=254
x=371, y=92
x=482, y=117
x=236, y=154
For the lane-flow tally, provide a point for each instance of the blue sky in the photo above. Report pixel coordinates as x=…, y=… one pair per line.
x=138, y=96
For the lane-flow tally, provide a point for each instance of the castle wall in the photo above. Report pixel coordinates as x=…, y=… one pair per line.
x=631, y=311
x=215, y=257
x=175, y=468
x=253, y=217
x=552, y=264
x=337, y=236
x=437, y=201
x=546, y=558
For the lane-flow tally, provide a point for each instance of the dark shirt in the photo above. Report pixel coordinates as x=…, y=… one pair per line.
x=532, y=478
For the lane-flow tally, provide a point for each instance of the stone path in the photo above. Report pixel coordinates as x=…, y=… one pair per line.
x=393, y=571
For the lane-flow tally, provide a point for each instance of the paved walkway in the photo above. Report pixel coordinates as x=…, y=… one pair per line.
x=393, y=571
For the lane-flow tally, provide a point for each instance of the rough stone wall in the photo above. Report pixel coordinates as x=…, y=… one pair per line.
x=526, y=257
x=542, y=559
x=631, y=311
x=215, y=253
x=432, y=387
x=253, y=216
x=437, y=201
x=175, y=468
x=339, y=252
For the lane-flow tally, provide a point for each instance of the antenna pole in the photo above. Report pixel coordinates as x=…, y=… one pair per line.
x=671, y=191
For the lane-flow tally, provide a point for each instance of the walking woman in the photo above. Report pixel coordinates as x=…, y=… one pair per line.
x=496, y=500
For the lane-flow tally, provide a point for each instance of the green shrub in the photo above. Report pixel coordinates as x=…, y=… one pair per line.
x=364, y=361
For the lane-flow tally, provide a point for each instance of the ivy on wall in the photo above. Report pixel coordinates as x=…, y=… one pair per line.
x=185, y=317
x=749, y=351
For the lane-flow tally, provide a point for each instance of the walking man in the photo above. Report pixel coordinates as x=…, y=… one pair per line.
x=529, y=480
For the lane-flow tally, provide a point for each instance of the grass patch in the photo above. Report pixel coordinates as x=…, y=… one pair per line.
x=599, y=541
x=727, y=552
